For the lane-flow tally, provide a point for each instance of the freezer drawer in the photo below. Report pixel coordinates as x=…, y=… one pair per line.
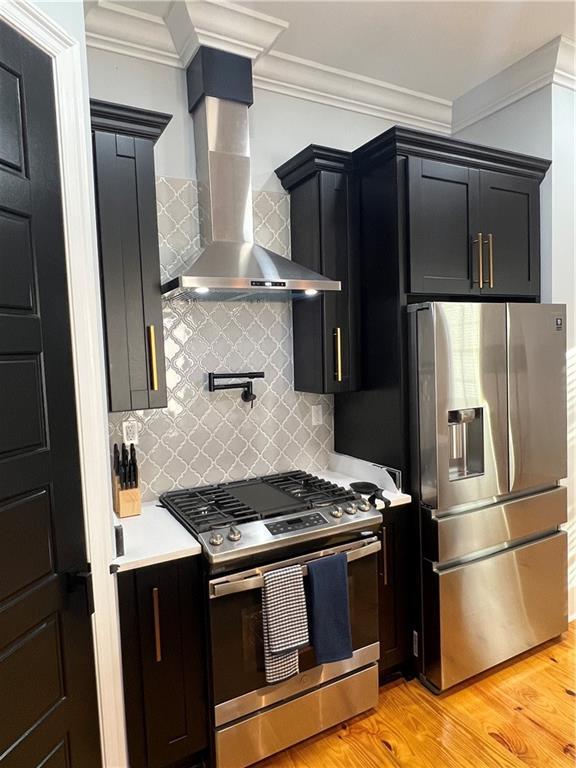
x=458, y=536
x=536, y=394
x=487, y=611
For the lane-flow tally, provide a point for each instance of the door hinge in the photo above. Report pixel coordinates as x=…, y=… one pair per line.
x=83, y=579
x=415, y=643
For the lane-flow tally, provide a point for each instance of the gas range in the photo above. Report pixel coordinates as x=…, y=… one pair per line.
x=239, y=519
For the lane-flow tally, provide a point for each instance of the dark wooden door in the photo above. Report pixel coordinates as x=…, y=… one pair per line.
x=130, y=268
x=443, y=222
x=161, y=614
x=510, y=224
x=337, y=326
x=48, y=707
x=394, y=588
x=324, y=326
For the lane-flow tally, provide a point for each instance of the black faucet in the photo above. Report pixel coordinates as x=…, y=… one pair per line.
x=247, y=395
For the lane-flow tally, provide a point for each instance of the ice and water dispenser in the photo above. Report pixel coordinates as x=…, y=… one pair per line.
x=466, y=432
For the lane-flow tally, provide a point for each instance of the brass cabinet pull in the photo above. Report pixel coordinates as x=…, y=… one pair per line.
x=480, y=259
x=152, y=355
x=385, y=556
x=157, y=638
x=491, y=260
x=338, y=354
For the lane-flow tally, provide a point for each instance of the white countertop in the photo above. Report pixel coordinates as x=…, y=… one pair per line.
x=152, y=537
x=155, y=536
x=396, y=499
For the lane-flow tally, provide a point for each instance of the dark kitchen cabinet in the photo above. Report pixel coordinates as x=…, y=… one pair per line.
x=123, y=143
x=161, y=622
x=510, y=226
x=472, y=231
x=397, y=565
x=442, y=215
x=322, y=238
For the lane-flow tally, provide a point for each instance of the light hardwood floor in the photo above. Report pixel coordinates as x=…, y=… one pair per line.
x=523, y=714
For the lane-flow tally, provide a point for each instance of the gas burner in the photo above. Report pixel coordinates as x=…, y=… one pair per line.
x=237, y=519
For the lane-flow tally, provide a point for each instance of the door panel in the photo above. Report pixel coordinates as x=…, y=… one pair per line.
x=537, y=394
x=478, y=631
x=443, y=212
x=510, y=214
x=16, y=265
x=336, y=265
x=48, y=710
x=461, y=371
x=11, y=136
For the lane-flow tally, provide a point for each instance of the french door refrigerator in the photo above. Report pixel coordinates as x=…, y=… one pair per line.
x=488, y=410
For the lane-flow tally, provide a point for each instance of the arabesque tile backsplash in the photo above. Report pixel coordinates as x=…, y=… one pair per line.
x=204, y=437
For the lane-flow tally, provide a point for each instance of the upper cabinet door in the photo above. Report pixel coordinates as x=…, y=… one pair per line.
x=129, y=254
x=322, y=233
x=510, y=216
x=443, y=222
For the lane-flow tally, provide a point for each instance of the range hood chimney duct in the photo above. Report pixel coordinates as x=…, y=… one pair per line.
x=231, y=264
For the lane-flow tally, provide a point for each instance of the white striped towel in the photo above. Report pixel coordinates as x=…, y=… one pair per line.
x=285, y=622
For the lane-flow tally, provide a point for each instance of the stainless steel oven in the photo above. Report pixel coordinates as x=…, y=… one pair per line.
x=252, y=719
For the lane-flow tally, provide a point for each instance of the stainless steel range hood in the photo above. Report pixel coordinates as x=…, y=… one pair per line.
x=231, y=265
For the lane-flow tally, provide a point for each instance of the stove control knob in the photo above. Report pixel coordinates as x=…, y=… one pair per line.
x=351, y=508
x=234, y=534
x=336, y=512
x=364, y=505
x=216, y=539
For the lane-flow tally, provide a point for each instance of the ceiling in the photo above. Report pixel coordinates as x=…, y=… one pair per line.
x=439, y=48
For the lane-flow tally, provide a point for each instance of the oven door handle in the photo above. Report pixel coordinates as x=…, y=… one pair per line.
x=245, y=582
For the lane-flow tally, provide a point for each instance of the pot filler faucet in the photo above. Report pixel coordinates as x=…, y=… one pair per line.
x=247, y=395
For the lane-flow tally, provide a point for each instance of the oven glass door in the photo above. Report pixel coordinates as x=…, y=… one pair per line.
x=236, y=626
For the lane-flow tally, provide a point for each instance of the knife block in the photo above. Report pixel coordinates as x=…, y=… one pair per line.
x=127, y=503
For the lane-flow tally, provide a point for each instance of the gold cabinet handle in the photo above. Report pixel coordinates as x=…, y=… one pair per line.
x=338, y=354
x=157, y=638
x=152, y=356
x=479, y=241
x=385, y=555
x=491, y=260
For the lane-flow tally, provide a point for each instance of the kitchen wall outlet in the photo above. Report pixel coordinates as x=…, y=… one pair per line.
x=130, y=432
x=316, y=415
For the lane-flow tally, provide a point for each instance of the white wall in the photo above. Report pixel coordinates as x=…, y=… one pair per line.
x=280, y=125
x=561, y=279
x=543, y=124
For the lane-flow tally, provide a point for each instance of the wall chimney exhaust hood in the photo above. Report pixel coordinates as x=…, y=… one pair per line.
x=231, y=266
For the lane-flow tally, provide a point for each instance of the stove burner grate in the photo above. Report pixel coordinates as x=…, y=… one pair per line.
x=216, y=506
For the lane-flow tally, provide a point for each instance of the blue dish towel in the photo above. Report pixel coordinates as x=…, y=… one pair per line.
x=329, y=608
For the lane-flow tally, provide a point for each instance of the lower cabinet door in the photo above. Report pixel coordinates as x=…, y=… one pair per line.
x=394, y=589
x=163, y=663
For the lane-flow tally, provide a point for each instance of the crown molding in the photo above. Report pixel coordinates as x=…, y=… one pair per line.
x=224, y=25
x=552, y=64
x=130, y=121
x=220, y=24
x=120, y=29
x=304, y=79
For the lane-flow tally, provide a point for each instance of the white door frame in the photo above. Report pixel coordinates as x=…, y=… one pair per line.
x=73, y=115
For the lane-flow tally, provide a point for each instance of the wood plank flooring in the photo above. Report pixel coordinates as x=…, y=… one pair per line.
x=523, y=714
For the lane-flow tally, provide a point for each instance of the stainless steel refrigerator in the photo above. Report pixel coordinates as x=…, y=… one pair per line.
x=488, y=408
